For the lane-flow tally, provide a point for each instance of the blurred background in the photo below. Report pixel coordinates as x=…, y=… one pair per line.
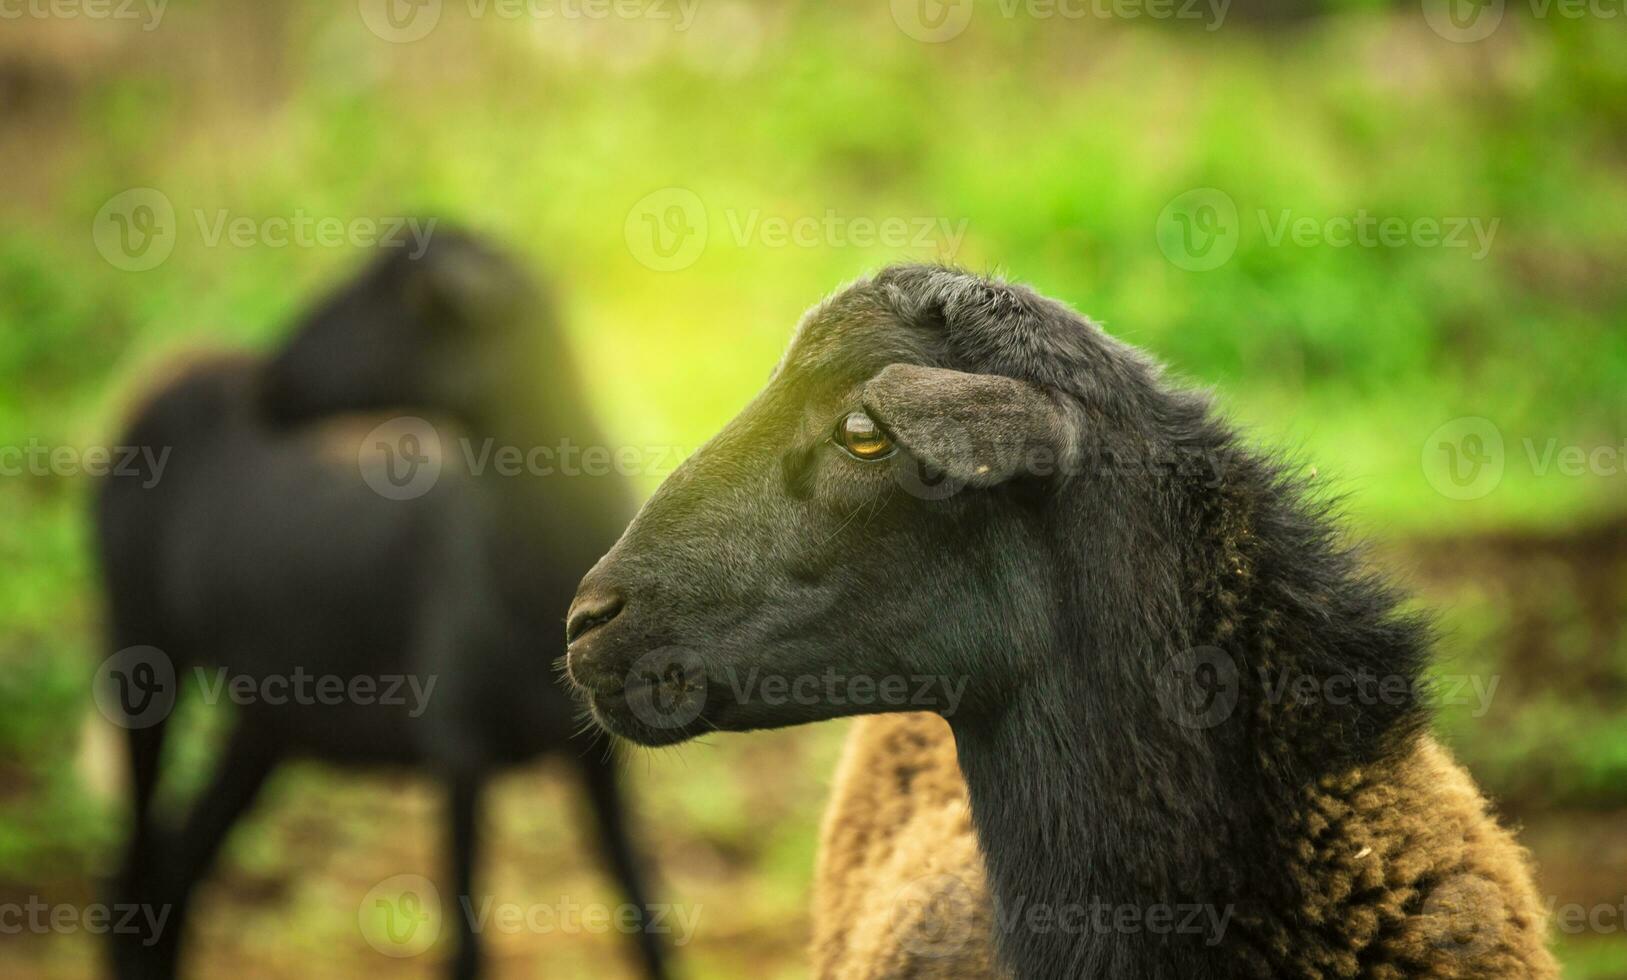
x=1393, y=237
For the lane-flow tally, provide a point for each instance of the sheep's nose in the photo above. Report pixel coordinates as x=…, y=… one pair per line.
x=590, y=611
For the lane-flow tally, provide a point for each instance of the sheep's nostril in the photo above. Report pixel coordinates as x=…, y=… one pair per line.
x=590, y=612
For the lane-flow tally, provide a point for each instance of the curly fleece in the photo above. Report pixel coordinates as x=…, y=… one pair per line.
x=1406, y=873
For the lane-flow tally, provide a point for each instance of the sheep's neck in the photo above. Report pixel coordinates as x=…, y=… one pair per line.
x=1085, y=868
x=1121, y=844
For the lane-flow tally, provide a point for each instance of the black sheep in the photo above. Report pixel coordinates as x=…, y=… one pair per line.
x=277, y=545
x=1173, y=693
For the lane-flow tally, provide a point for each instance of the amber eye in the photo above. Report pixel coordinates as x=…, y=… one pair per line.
x=863, y=439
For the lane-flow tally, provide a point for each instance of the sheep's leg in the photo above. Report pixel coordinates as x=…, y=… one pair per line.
x=133, y=886
x=145, y=724
x=144, y=719
x=610, y=816
x=239, y=775
x=146, y=747
x=465, y=807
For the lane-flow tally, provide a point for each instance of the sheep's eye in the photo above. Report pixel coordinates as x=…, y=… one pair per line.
x=863, y=439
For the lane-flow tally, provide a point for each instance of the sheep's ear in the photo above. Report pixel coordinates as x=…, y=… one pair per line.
x=975, y=429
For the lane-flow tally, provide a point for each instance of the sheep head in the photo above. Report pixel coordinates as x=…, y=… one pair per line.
x=453, y=326
x=876, y=531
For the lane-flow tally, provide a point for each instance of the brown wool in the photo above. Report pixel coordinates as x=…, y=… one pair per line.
x=1405, y=874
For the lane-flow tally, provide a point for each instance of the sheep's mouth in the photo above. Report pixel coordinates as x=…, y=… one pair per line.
x=654, y=708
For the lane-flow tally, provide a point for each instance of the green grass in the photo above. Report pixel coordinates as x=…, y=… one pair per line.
x=1587, y=959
